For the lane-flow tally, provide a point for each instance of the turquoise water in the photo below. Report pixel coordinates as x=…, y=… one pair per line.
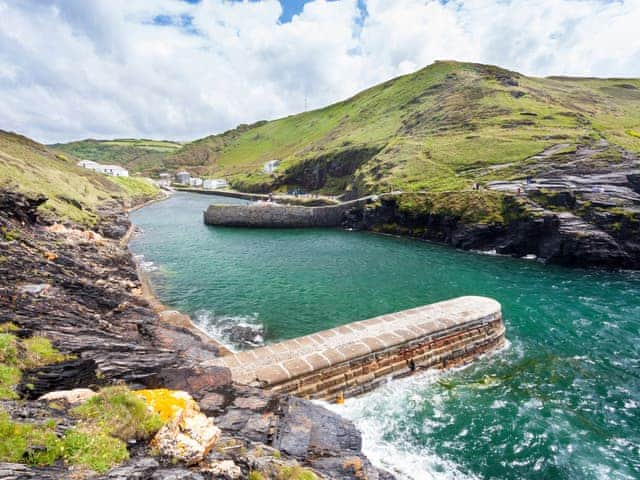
x=562, y=401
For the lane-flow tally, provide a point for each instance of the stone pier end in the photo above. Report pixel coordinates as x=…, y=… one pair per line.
x=353, y=359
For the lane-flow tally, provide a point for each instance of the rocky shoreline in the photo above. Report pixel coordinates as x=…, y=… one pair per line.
x=594, y=236
x=81, y=289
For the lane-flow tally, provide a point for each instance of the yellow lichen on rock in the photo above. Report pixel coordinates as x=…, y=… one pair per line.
x=167, y=403
x=188, y=435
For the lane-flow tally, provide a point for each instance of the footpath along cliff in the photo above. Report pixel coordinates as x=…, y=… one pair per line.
x=75, y=292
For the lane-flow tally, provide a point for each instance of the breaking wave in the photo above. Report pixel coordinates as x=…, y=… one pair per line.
x=381, y=412
x=238, y=332
x=146, y=266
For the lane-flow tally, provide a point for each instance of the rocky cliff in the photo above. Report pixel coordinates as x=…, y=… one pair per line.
x=80, y=289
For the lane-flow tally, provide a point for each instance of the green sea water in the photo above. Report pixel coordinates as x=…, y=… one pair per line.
x=561, y=401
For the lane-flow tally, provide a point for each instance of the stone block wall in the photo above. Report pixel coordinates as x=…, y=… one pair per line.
x=270, y=215
x=352, y=359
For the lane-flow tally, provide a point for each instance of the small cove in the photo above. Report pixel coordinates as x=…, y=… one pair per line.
x=563, y=401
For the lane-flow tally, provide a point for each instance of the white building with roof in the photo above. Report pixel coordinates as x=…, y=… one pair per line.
x=215, y=183
x=271, y=166
x=183, y=177
x=113, y=170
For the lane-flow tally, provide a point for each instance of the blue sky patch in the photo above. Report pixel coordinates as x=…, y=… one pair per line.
x=183, y=21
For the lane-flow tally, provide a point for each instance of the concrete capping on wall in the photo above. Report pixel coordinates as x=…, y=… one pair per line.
x=353, y=358
x=272, y=215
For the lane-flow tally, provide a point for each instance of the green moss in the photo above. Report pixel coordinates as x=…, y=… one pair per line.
x=8, y=349
x=9, y=378
x=120, y=413
x=633, y=133
x=38, y=351
x=39, y=445
x=17, y=355
x=9, y=235
x=255, y=475
x=28, y=443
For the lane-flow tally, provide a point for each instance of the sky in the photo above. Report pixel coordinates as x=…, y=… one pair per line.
x=184, y=69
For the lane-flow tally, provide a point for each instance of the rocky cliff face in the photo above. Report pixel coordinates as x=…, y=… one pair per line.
x=80, y=289
x=582, y=236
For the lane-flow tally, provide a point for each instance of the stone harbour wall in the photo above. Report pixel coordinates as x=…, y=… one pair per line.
x=273, y=215
x=353, y=359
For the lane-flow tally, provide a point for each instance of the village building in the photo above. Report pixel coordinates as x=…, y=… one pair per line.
x=113, y=170
x=215, y=183
x=164, y=181
x=195, y=182
x=183, y=177
x=271, y=166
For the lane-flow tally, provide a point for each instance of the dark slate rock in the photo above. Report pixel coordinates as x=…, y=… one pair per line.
x=60, y=376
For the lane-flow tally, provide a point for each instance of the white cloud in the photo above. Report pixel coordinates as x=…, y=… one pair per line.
x=72, y=69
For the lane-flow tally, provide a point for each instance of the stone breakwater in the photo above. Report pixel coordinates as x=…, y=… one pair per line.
x=271, y=215
x=353, y=359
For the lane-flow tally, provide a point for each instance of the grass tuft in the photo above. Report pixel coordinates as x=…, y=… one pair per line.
x=120, y=413
x=94, y=449
x=295, y=473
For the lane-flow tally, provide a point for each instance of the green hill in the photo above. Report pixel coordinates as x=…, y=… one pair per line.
x=440, y=128
x=73, y=193
x=135, y=154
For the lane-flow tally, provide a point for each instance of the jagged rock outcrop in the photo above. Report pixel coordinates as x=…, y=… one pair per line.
x=87, y=301
x=569, y=231
x=80, y=289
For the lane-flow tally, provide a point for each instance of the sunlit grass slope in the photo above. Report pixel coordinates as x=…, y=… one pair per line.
x=440, y=128
x=73, y=193
x=135, y=154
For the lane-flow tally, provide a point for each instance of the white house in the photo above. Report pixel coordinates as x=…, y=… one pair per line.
x=90, y=164
x=215, y=183
x=183, y=177
x=164, y=181
x=271, y=166
x=113, y=170
x=195, y=182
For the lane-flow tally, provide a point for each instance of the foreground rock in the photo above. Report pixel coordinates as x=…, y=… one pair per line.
x=81, y=290
x=188, y=436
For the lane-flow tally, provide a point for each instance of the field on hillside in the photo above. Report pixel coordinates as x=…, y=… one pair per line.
x=135, y=154
x=442, y=128
x=73, y=193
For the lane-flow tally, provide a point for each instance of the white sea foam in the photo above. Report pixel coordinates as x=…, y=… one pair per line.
x=237, y=332
x=379, y=412
x=145, y=266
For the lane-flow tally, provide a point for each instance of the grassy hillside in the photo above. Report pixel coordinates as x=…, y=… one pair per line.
x=441, y=128
x=73, y=193
x=135, y=154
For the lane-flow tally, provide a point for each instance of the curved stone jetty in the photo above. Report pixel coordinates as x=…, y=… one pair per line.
x=352, y=359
